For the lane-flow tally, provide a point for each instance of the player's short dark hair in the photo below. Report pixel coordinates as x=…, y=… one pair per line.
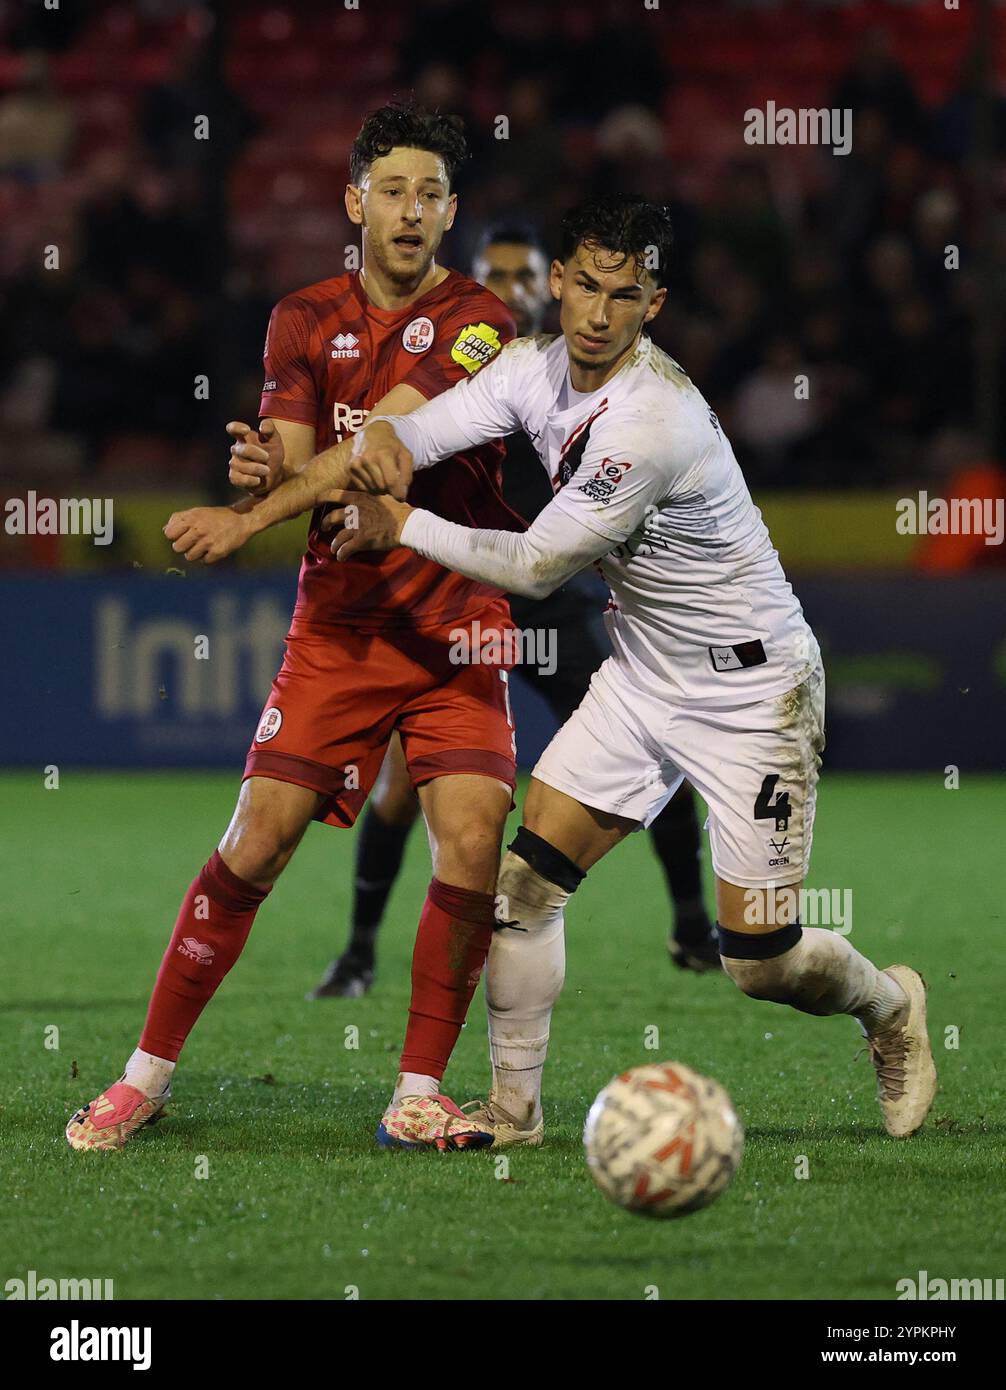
x=404, y=124
x=625, y=224
x=511, y=232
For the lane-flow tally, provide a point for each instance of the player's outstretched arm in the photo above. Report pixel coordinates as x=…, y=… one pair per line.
x=212, y=533
x=373, y=459
x=532, y=562
x=379, y=462
x=469, y=413
x=578, y=526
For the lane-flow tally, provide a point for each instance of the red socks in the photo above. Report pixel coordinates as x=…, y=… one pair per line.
x=455, y=930
x=452, y=942
x=212, y=927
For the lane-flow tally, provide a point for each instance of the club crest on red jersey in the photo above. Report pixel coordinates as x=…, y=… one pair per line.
x=418, y=335
x=270, y=725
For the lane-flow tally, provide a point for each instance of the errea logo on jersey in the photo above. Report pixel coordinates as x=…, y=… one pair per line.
x=345, y=345
x=475, y=345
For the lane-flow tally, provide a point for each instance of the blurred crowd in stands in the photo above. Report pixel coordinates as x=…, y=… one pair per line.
x=790, y=260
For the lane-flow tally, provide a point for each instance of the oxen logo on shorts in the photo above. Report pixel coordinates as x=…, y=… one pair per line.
x=270, y=725
x=418, y=336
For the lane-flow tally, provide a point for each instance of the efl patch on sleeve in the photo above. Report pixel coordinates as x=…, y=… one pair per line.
x=475, y=345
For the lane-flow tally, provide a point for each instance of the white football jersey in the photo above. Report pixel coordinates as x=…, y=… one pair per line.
x=701, y=611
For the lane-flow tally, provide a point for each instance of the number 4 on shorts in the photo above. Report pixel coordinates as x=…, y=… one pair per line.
x=767, y=809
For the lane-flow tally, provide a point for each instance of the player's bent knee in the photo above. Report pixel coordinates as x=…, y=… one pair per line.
x=527, y=959
x=255, y=859
x=760, y=964
x=515, y=876
x=534, y=883
x=266, y=828
x=547, y=863
x=519, y=891
x=518, y=882
x=468, y=857
x=758, y=979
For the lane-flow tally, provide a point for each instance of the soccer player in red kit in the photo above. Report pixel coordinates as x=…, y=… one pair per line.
x=371, y=644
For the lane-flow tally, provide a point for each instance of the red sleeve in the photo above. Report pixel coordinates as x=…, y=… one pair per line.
x=469, y=335
x=290, y=391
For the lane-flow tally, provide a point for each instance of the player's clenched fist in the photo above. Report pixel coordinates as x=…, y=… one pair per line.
x=365, y=522
x=207, y=533
x=256, y=456
x=380, y=461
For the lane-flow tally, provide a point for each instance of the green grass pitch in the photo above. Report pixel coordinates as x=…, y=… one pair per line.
x=271, y=1102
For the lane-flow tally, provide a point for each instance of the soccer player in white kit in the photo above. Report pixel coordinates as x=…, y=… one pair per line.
x=715, y=675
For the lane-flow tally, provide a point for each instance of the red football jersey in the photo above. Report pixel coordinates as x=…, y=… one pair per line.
x=330, y=355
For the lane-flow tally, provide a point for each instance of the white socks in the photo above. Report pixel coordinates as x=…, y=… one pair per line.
x=149, y=1074
x=152, y=1076
x=822, y=974
x=524, y=976
x=414, y=1083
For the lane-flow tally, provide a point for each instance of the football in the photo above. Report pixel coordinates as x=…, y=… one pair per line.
x=663, y=1140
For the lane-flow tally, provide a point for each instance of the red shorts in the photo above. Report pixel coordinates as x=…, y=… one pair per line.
x=341, y=693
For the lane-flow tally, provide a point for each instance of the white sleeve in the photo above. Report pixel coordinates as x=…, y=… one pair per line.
x=473, y=411
x=532, y=562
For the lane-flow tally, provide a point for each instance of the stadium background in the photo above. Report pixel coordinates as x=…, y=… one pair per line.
x=789, y=260
x=171, y=253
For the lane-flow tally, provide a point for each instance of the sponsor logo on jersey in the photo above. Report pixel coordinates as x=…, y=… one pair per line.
x=475, y=345
x=269, y=386
x=270, y=725
x=347, y=419
x=418, y=335
x=600, y=487
x=345, y=345
x=196, y=950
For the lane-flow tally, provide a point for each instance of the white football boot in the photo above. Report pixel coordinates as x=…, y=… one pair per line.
x=506, y=1131
x=903, y=1060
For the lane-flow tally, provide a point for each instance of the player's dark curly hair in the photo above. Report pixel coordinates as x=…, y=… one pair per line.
x=625, y=224
x=412, y=126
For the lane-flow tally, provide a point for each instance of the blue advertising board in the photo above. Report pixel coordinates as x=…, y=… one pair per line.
x=102, y=671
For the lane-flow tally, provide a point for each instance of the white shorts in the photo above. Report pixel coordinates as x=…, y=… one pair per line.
x=626, y=752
